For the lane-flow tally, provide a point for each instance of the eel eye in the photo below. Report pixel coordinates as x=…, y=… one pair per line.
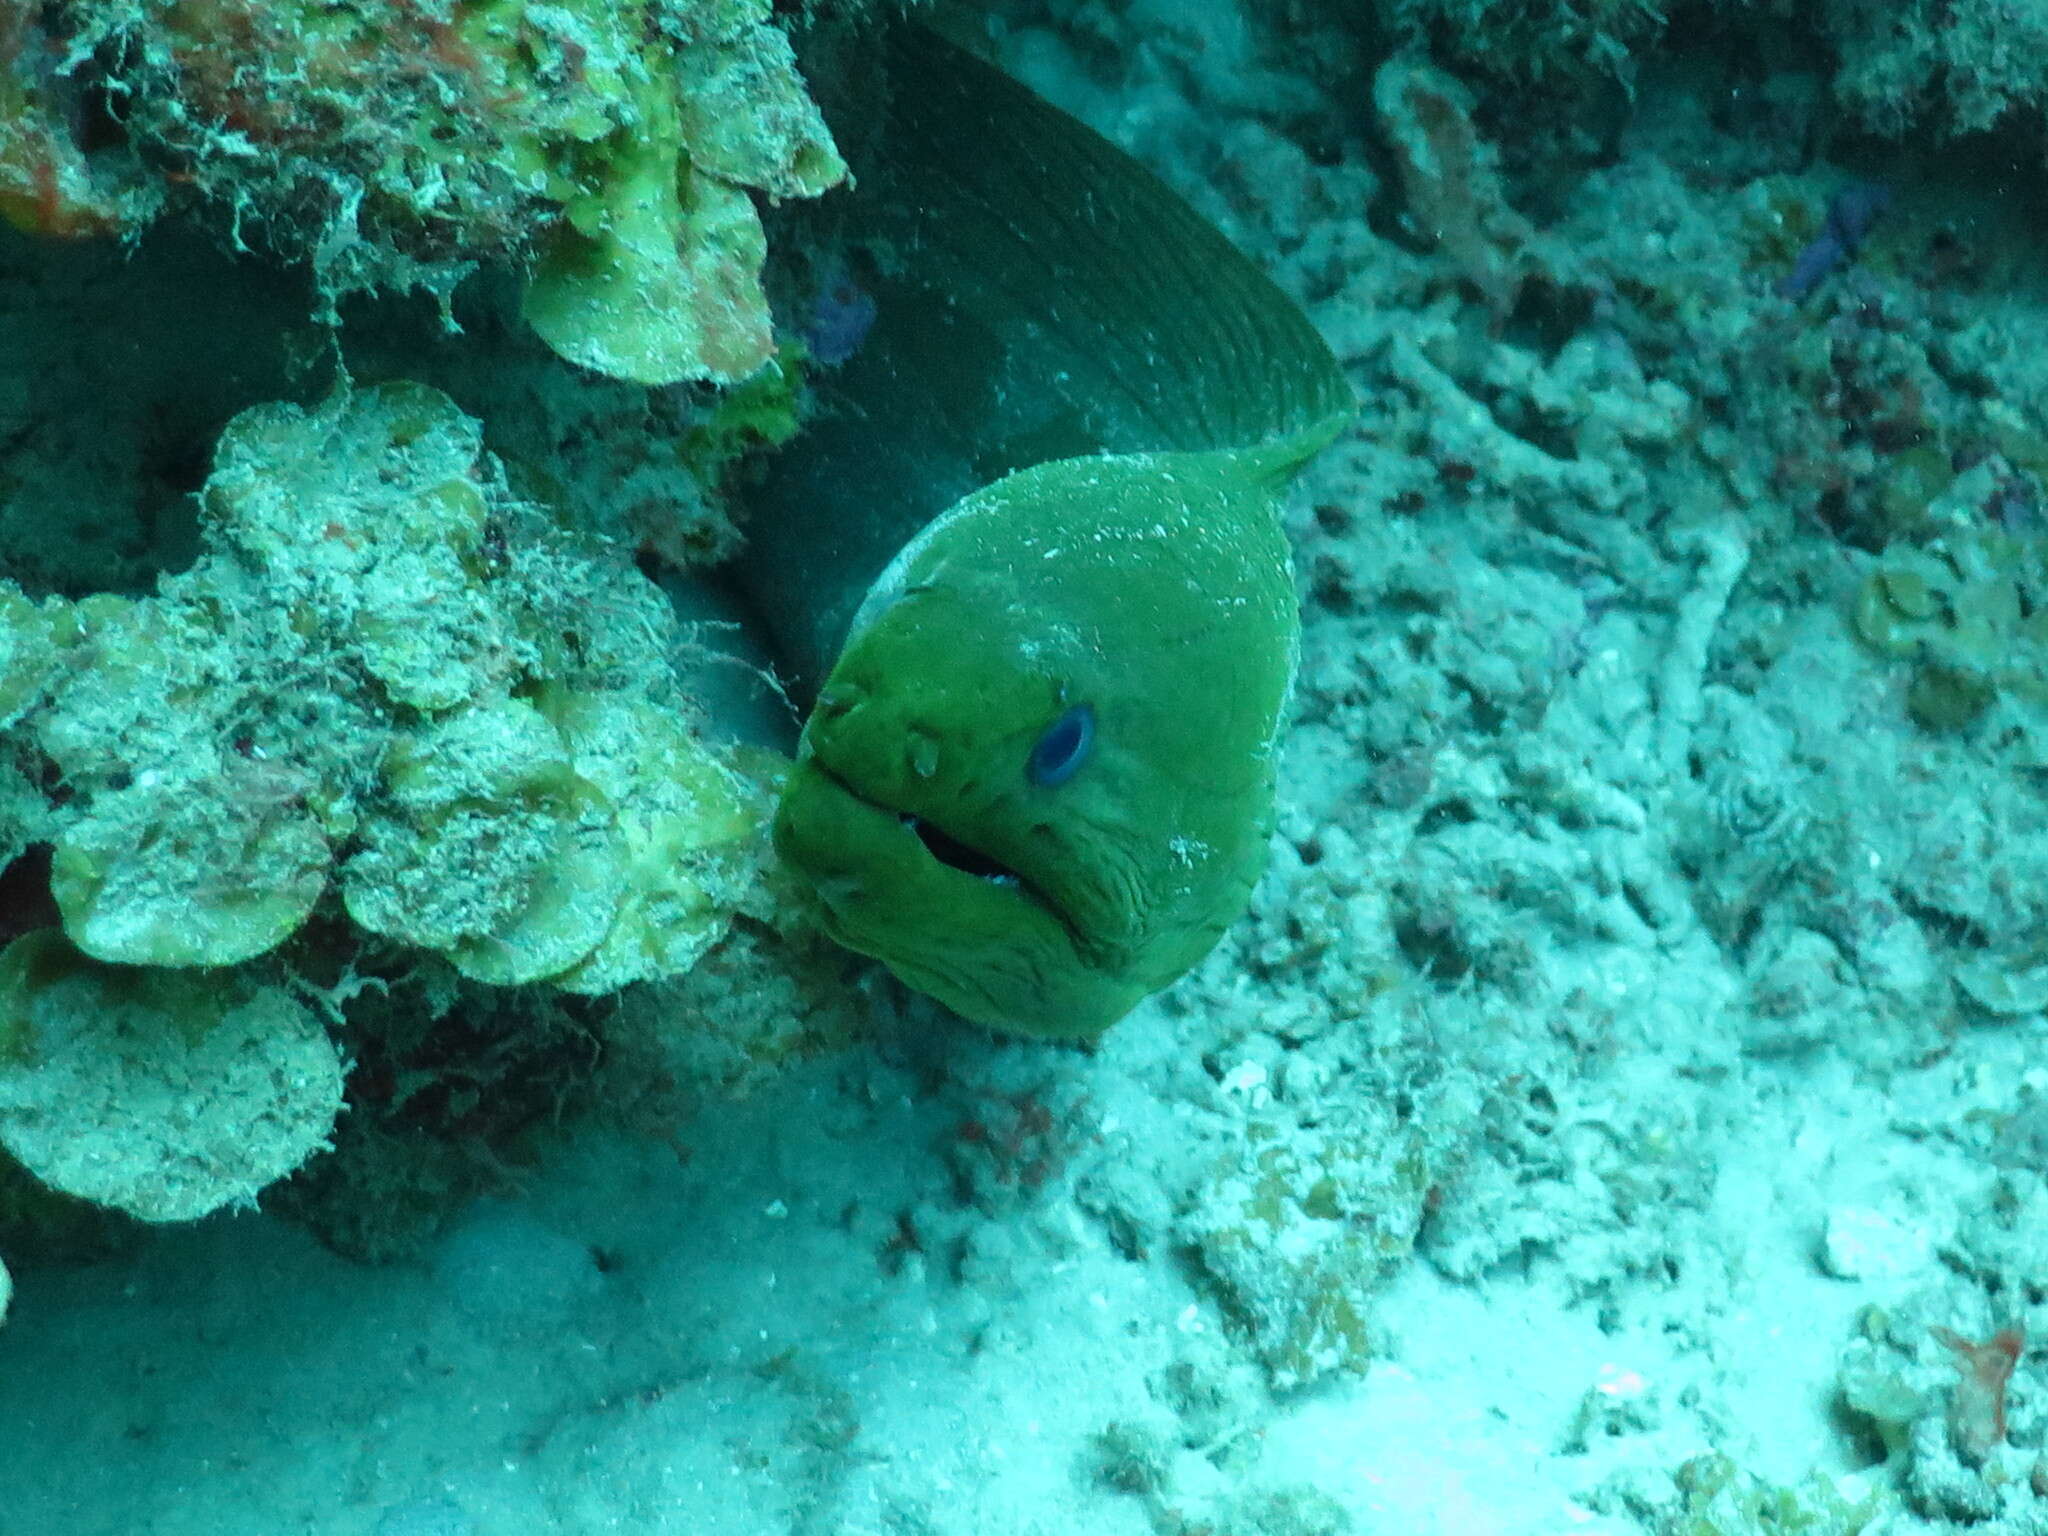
x=1063, y=748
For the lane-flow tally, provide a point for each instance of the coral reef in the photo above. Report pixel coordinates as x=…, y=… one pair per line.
x=1556, y=42
x=616, y=149
x=1583, y=685
x=385, y=681
x=51, y=182
x=382, y=653
x=1959, y=67
x=1942, y=1374
x=1649, y=970
x=1952, y=67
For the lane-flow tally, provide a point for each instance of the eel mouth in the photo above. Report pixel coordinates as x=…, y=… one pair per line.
x=945, y=916
x=965, y=859
x=954, y=854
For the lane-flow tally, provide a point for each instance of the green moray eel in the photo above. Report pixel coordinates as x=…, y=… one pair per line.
x=1027, y=559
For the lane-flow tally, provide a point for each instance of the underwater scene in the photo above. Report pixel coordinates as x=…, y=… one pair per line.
x=1023, y=767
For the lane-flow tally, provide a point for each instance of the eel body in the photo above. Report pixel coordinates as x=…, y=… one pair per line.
x=1027, y=559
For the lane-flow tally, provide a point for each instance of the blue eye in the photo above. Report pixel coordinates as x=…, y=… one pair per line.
x=1063, y=748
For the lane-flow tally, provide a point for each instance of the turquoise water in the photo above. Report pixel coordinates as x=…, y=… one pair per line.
x=1620, y=1109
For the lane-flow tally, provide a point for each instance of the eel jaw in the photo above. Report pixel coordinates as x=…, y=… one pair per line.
x=947, y=920
x=954, y=854
x=899, y=888
x=963, y=858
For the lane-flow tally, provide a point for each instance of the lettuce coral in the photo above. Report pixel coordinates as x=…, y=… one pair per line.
x=688, y=829
x=392, y=713
x=161, y=1094
x=349, y=672
x=490, y=848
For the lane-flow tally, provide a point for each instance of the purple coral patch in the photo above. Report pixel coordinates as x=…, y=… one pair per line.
x=840, y=318
x=1851, y=212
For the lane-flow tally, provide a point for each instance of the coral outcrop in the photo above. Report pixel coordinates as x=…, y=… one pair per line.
x=162, y=1094
x=391, y=708
x=388, y=667
x=613, y=150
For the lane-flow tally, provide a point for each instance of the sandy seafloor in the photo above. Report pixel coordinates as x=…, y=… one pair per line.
x=1633, y=1052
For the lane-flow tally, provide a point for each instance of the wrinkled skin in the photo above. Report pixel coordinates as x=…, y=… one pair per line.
x=1154, y=588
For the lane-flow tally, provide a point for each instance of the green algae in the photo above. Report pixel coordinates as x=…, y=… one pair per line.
x=1721, y=1499
x=1966, y=610
x=1299, y=1231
